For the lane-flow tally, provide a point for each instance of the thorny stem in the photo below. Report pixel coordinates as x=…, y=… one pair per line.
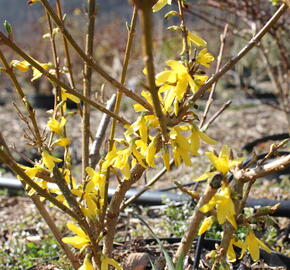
x=252, y=43
x=23, y=98
x=69, y=90
x=87, y=85
x=146, y=12
x=90, y=61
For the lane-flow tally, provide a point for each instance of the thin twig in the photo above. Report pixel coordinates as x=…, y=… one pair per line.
x=146, y=11
x=217, y=114
x=249, y=174
x=147, y=187
x=100, y=134
x=219, y=61
x=129, y=44
x=51, y=224
x=196, y=218
x=69, y=90
x=24, y=99
x=87, y=84
x=27, y=180
x=252, y=43
x=184, y=30
x=90, y=61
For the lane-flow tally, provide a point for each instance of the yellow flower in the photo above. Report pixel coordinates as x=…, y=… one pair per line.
x=49, y=160
x=195, y=138
x=65, y=96
x=224, y=205
x=150, y=153
x=223, y=162
x=30, y=2
x=174, y=83
x=93, y=193
x=110, y=157
x=252, y=244
x=109, y=261
x=55, y=126
x=22, y=66
x=98, y=180
x=78, y=241
x=231, y=255
x=206, y=225
x=138, y=125
x=36, y=73
x=197, y=40
x=160, y=4
x=181, y=148
x=64, y=142
x=165, y=157
x=87, y=265
x=204, y=58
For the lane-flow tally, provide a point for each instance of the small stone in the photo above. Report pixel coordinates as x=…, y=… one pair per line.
x=137, y=261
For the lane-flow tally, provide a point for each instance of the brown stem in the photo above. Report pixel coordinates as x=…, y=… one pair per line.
x=69, y=90
x=87, y=84
x=23, y=98
x=146, y=12
x=51, y=224
x=219, y=61
x=217, y=114
x=128, y=50
x=249, y=174
x=184, y=30
x=148, y=186
x=27, y=180
x=114, y=207
x=252, y=43
x=196, y=218
x=91, y=62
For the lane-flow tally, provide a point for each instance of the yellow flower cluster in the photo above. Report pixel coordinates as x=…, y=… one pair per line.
x=251, y=243
x=80, y=241
x=24, y=66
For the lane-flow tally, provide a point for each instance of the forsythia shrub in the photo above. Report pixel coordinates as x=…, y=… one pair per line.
x=167, y=126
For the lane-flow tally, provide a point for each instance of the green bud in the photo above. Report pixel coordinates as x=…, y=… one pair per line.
x=8, y=27
x=170, y=14
x=174, y=28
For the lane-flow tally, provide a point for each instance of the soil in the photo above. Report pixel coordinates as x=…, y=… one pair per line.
x=235, y=127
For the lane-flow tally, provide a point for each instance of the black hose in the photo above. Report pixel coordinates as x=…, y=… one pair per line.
x=198, y=251
x=249, y=146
